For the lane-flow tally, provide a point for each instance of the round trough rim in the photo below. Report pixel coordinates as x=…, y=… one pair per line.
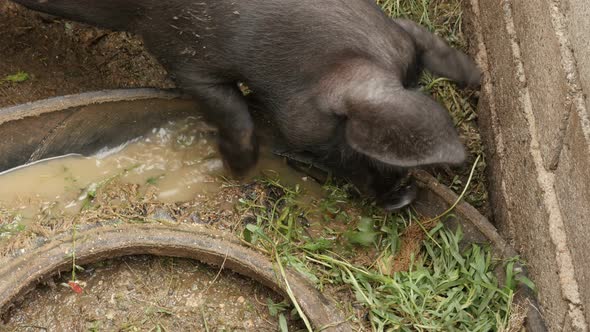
x=21, y=274
x=59, y=103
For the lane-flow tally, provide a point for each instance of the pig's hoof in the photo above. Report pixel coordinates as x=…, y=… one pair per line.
x=399, y=197
x=239, y=157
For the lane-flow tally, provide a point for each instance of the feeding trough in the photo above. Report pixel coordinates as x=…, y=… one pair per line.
x=88, y=122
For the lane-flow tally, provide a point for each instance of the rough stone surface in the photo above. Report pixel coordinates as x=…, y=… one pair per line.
x=522, y=220
x=578, y=16
x=539, y=49
x=535, y=126
x=573, y=189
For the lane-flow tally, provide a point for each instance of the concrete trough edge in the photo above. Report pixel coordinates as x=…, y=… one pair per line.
x=36, y=108
x=545, y=178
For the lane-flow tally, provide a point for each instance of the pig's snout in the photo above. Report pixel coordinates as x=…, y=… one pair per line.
x=399, y=196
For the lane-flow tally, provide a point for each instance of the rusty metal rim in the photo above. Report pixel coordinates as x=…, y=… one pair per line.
x=21, y=274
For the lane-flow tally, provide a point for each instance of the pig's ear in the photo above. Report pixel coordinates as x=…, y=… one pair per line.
x=401, y=127
x=440, y=58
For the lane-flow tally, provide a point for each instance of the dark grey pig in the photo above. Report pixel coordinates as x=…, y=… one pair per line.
x=336, y=75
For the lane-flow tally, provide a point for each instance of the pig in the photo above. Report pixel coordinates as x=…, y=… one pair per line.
x=338, y=78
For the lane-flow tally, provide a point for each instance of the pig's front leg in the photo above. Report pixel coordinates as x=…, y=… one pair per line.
x=224, y=106
x=440, y=58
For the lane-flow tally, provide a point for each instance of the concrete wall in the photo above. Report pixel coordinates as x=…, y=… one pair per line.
x=535, y=120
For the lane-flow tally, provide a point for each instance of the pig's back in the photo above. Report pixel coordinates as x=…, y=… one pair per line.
x=270, y=42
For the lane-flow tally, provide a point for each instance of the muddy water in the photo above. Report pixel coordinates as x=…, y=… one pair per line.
x=179, y=158
x=140, y=294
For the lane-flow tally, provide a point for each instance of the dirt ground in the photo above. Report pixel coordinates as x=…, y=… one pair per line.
x=143, y=293
x=65, y=58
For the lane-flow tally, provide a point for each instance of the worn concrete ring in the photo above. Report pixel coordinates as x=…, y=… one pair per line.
x=22, y=273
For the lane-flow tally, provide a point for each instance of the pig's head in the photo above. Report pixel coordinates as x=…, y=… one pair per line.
x=389, y=128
